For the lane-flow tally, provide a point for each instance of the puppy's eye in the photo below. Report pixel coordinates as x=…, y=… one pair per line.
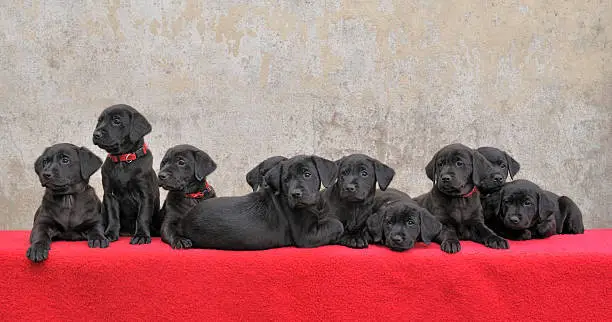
x=100, y=119
x=410, y=222
x=503, y=166
x=181, y=162
x=307, y=174
x=45, y=162
x=388, y=221
x=440, y=164
x=459, y=163
x=116, y=122
x=65, y=160
x=527, y=203
x=364, y=173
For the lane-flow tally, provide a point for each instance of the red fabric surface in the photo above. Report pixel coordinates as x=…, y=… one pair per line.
x=560, y=278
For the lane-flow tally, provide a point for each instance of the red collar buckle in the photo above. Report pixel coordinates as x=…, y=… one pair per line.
x=128, y=157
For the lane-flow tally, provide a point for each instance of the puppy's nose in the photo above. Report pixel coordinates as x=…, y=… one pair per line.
x=445, y=178
x=498, y=178
x=350, y=187
x=163, y=176
x=515, y=219
x=46, y=175
x=296, y=193
x=397, y=238
x=97, y=134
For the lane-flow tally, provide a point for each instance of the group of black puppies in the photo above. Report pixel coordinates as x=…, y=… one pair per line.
x=469, y=200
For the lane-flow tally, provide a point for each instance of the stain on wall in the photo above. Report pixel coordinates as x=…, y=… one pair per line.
x=246, y=80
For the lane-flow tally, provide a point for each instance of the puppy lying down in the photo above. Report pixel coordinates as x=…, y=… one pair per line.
x=288, y=212
x=526, y=211
x=70, y=209
x=398, y=221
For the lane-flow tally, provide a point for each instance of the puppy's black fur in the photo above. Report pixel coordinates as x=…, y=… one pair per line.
x=131, y=192
x=351, y=198
x=398, y=221
x=526, y=211
x=183, y=173
x=288, y=212
x=255, y=177
x=454, y=200
x=70, y=209
x=502, y=165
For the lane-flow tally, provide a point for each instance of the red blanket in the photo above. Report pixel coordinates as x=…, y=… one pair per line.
x=560, y=278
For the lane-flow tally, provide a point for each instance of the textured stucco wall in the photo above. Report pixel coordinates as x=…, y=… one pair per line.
x=248, y=79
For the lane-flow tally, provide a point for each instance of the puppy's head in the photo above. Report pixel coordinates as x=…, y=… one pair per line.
x=255, y=177
x=456, y=169
x=358, y=174
x=502, y=165
x=299, y=179
x=399, y=225
x=522, y=204
x=119, y=129
x=184, y=167
x=63, y=165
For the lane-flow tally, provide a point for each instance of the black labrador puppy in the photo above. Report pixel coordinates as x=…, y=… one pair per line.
x=70, y=208
x=502, y=166
x=183, y=173
x=131, y=192
x=456, y=170
x=351, y=198
x=398, y=221
x=525, y=211
x=289, y=212
x=255, y=177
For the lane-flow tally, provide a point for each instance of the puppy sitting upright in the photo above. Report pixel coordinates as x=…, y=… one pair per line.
x=70, y=209
x=525, y=211
x=351, y=198
x=131, y=192
x=288, y=212
x=456, y=170
x=502, y=165
x=255, y=177
x=398, y=221
x=183, y=173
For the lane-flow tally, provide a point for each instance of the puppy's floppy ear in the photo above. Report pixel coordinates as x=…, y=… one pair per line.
x=430, y=226
x=384, y=174
x=327, y=170
x=513, y=166
x=38, y=165
x=432, y=168
x=139, y=126
x=90, y=163
x=273, y=177
x=253, y=178
x=374, y=225
x=546, y=206
x=480, y=167
x=204, y=165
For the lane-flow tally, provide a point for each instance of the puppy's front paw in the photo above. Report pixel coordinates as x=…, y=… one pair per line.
x=140, y=240
x=112, y=236
x=181, y=243
x=98, y=242
x=496, y=242
x=450, y=246
x=37, y=253
x=354, y=241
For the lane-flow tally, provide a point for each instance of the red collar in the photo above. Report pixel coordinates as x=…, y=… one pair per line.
x=129, y=157
x=469, y=194
x=208, y=190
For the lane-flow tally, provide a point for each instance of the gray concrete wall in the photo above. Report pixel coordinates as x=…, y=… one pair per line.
x=246, y=80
